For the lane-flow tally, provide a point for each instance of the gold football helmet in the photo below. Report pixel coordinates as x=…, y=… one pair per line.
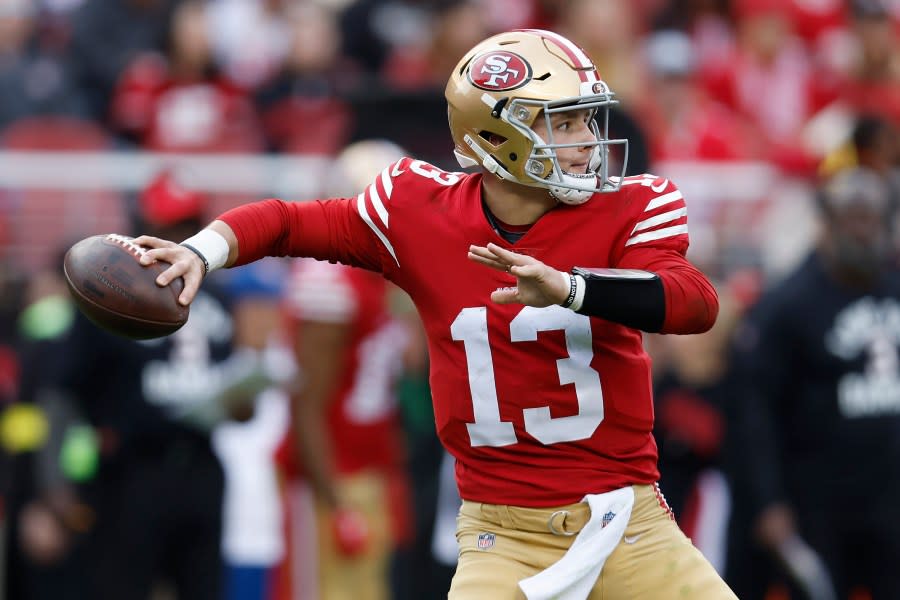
x=503, y=85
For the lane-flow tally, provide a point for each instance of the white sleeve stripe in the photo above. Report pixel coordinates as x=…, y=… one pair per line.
x=660, y=219
x=361, y=207
x=657, y=234
x=664, y=199
x=372, y=190
x=387, y=183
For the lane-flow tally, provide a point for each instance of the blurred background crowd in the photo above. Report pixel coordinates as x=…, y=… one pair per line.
x=778, y=119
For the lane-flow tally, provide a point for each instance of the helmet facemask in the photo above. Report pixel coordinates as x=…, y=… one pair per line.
x=542, y=164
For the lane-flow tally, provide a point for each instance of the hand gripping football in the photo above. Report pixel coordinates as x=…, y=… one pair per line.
x=115, y=291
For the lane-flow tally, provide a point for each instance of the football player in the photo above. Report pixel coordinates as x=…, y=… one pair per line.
x=346, y=442
x=548, y=411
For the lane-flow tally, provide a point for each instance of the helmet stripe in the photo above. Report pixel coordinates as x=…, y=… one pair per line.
x=575, y=54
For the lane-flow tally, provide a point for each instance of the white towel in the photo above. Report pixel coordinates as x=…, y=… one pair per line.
x=573, y=576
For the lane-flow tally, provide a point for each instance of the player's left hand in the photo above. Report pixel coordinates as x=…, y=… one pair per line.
x=537, y=284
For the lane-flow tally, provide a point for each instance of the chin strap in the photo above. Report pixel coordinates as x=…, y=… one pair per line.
x=571, y=195
x=583, y=186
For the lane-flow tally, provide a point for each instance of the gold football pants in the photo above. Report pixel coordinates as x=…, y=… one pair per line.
x=653, y=560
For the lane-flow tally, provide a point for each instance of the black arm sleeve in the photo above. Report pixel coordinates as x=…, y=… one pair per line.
x=636, y=303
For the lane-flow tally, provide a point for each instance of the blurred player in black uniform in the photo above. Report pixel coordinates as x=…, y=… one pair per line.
x=817, y=411
x=157, y=496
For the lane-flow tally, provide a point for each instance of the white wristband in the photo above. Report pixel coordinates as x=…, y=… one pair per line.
x=580, y=286
x=211, y=246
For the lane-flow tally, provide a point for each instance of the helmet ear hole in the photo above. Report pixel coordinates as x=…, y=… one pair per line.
x=494, y=139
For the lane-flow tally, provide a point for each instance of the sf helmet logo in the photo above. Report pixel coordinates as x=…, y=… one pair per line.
x=499, y=71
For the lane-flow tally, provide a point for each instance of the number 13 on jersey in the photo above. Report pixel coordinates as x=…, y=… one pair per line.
x=470, y=328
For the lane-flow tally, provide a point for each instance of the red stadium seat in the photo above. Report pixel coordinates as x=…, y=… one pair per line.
x=43, y=221
x=299, y=125
x=54, y=134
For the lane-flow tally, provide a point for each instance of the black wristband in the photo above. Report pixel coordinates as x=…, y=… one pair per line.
x=639, y=303
x=573, y=290
x=200, y=254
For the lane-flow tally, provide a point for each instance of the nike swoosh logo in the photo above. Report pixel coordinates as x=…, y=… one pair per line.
x=395, y=171
x=630, y=539
x=661, y=186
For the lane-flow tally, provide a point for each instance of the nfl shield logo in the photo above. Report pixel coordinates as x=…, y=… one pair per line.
x=485, y=541
x=607, y=518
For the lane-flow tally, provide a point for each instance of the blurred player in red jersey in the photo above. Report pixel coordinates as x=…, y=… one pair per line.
x=346, y=441
x=547, y=410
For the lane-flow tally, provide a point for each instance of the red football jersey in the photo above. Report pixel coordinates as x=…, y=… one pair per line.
x=538, y=405
x=362, y=414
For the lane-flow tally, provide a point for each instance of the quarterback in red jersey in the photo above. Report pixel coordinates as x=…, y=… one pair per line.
x=547, y=410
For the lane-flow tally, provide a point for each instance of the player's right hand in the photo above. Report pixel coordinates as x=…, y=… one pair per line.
x=537, y=284
x=184, y=263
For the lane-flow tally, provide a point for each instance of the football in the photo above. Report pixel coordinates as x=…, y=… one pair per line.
x=115, y=291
